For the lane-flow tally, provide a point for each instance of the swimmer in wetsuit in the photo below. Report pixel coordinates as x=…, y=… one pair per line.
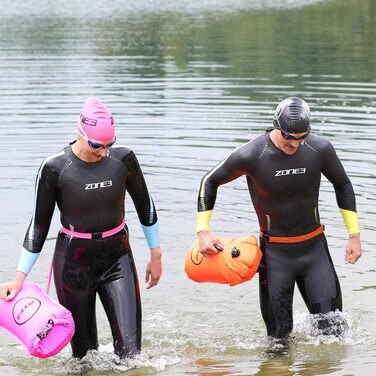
x=283, y=168
x=88, y=180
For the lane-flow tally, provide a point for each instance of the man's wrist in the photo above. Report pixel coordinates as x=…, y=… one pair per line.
x=202, y=232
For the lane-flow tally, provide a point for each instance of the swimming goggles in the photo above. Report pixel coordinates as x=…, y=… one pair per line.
x=289, y=136
x=97, y=146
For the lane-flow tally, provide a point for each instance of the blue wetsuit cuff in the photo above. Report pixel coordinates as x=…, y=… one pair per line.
x=27, y=260
x=152, y=235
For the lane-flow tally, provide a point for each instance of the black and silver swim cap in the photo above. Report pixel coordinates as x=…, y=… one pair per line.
x=292, y=116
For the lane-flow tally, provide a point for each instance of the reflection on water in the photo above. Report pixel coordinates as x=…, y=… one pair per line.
x=188, y=81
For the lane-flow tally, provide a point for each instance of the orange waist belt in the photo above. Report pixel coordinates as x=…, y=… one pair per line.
x=292, y=239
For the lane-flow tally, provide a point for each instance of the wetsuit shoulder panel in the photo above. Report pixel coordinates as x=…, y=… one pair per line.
x=238, y=163
x=121, y=153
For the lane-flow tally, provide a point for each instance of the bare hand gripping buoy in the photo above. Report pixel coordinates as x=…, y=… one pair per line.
x=237, y=263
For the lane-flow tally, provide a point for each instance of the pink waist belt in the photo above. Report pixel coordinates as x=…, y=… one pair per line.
x=93, y=235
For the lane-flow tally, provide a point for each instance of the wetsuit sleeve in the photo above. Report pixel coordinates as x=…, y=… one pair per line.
x=44, y=204
x=229, y=169
x=143, y=202
x=333, y=170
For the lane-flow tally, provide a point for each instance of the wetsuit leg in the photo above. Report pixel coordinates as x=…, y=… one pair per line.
x=276, y=285
x=76, y=292
x=120, y=297
x=318, y=282
x=310, y=265
x=84, y=267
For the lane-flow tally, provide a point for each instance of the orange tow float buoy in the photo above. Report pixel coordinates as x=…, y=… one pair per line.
x=237, y=263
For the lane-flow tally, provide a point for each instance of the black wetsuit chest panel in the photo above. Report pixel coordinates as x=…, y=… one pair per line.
x=284, y=188
x=91, y=196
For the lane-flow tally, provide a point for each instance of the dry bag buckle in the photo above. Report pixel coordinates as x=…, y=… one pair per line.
x=44, y=332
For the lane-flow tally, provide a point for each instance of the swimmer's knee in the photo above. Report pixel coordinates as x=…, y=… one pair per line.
x=327, y=305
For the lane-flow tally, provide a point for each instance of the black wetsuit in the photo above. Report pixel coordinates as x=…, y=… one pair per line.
x=284, y=190
x=90, y=197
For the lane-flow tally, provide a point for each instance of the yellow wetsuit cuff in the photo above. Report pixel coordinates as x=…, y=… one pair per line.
x=351, y=220
x=203, y=219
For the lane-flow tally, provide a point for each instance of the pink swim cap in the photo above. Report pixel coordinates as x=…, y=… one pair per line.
x=96, y=121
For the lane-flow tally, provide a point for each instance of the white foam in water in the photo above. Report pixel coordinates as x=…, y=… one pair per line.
x=347, y=329
x=251, y=341
x=104, y=360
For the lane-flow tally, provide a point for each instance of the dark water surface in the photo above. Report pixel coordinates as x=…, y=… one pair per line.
x=188, y=81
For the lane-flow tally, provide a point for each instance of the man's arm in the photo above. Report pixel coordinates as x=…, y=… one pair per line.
x=335, y=173
x=229, y=169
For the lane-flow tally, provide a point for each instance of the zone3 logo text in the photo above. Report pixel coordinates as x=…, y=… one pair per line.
x=102, y=184
x=291, y=171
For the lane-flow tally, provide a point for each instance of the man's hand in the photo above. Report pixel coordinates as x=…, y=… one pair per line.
x=208, y=244
x=353, y=249
x=154, y=267
x=9, y=290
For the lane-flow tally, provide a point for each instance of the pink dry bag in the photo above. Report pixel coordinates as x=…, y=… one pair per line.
x=42, y=325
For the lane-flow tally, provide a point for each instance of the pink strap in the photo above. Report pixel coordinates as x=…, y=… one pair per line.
x=49, y=278
x=88, y=235
x=114, y=231
x=82, y=235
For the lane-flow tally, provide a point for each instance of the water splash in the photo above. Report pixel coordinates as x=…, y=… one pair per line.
x=104, y=360
x=332, y=327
